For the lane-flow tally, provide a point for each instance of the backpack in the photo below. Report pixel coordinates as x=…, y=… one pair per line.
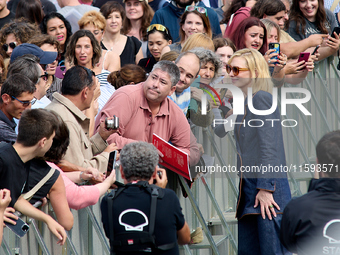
x=134, y=241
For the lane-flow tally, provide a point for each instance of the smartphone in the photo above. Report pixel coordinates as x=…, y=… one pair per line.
x=316, y=48
x=304, y=56
x=276, y=47
x=20, y=229
x=112, y=162
x=336, y=30
x=60, y=72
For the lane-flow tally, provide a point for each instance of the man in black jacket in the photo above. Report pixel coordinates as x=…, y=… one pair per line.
x=311, y=223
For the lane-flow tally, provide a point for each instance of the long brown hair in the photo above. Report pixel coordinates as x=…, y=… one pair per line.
x=128, y=74
x=146, y=20
x=297, y=16
x=205, y=19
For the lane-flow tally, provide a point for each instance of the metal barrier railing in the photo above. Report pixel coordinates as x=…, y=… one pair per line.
x=87, y=236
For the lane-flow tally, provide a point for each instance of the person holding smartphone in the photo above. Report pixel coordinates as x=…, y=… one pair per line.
x=295, y=70
x=252, y=34
x=310, y=17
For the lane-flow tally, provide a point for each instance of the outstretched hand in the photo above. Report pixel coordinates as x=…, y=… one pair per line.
x=267, y=203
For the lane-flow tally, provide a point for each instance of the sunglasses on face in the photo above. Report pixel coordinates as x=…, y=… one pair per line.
x=11, y=44
x=158, y=27
x=236, y=70
x=26, y=103
x=191, y=8
x=44, y=76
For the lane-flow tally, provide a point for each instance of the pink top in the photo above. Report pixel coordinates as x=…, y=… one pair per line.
x=237, y=18
x=78, y=197
x=136, y=123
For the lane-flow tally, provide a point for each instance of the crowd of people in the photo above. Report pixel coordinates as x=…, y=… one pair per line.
x=78, y=64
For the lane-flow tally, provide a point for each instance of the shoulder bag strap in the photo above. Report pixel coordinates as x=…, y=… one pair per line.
x=30, y=193
x=109, y=206
x=334, y=5
x=154, y=196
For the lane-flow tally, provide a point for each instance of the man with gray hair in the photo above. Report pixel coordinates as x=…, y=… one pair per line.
x=144, y=109
x=133, y=206
x=28, y=65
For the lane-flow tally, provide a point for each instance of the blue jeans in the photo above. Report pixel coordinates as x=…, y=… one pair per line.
x=258, y=236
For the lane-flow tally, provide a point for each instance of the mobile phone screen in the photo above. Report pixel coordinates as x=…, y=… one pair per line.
x=112, y=162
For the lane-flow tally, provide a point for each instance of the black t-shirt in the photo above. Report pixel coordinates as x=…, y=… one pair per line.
x=13, y=172
x=7, y=19
x=130, y=51
x=147, y=63
x=169, y=217
x=38, y=170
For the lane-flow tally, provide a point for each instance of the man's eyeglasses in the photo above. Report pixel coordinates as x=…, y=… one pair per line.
x=191, y=8
x=158, y=27
x=236, y=70
x=26, y=103
x=11, y=44
x=44, y=76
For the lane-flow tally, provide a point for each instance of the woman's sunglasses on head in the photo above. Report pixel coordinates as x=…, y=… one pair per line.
x=158, y=27
x=191, y=8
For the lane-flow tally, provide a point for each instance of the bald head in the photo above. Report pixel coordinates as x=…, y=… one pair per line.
x=189, y=66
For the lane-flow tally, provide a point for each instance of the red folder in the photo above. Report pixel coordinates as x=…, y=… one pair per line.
x=174, y=159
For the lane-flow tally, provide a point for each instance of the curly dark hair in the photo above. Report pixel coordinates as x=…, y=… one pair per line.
x=22, y=30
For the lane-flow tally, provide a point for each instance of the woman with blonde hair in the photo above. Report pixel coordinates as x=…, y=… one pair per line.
x=259, y=143
x=196, y=41
x=194, y=20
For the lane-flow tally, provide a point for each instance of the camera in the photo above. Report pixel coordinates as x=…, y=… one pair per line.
x=112, y=123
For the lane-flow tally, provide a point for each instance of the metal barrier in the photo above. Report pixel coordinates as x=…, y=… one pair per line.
x=212, y=189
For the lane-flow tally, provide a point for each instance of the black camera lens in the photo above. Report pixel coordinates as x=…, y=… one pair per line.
x=25, y=228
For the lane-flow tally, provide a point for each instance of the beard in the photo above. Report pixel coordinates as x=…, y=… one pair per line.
x=184, y=3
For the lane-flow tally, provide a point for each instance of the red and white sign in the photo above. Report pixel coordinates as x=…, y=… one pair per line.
x=174, y=159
